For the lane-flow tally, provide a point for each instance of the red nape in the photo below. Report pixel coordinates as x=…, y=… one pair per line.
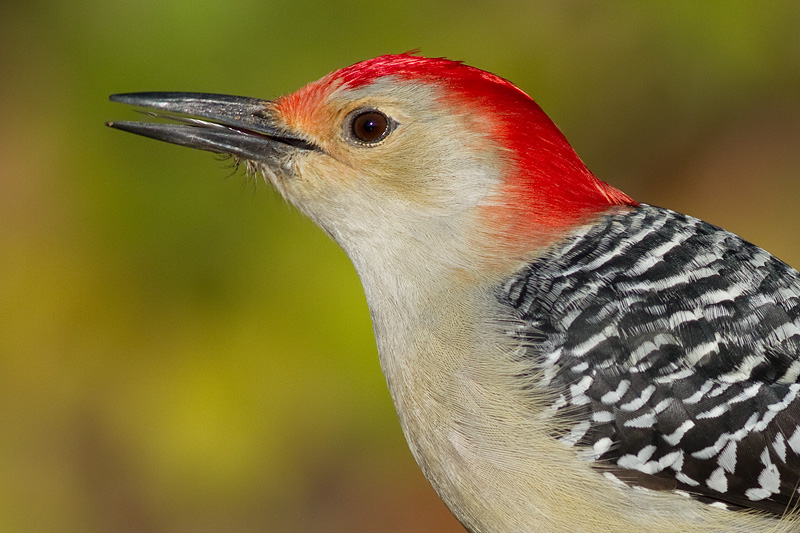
x=548, y=186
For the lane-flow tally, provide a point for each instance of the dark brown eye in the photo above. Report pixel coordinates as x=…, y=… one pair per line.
x=370, y=126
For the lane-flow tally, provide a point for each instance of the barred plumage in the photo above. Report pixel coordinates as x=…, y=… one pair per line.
x=672, y=347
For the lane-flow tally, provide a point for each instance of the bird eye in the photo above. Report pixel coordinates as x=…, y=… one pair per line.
x=370, y=126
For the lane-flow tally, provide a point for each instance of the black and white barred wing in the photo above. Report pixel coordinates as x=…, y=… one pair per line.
x=673, y=347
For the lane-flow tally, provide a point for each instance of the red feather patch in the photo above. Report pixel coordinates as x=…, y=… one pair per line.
x=549, y=187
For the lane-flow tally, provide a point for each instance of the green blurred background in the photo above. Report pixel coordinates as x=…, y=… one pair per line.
x=181, y=352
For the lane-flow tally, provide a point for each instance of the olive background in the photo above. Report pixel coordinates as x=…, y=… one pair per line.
x=180, y=351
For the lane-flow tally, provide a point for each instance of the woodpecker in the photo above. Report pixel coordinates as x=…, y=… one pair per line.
x=562, y=358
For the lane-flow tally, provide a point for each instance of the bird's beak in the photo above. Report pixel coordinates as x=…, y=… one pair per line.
x=240, y=126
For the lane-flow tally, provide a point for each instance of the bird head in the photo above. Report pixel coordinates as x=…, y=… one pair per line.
x=400, y=155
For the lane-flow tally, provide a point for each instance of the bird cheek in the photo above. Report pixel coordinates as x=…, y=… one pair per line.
x=318, y=178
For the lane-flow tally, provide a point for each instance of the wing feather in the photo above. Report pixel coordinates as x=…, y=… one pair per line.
x=680, y=343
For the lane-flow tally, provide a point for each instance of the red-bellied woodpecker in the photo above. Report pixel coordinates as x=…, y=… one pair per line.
x=561, y=357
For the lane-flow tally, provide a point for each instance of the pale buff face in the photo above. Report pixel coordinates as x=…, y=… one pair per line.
x=419, y=172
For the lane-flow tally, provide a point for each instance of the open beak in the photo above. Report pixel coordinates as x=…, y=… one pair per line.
x=240, y=126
